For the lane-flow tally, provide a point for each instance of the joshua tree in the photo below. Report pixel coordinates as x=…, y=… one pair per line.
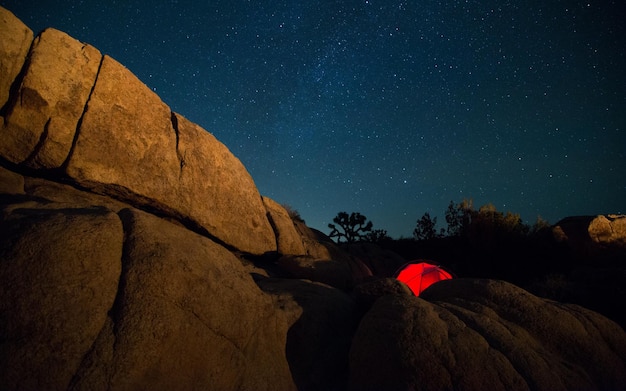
x=352, y=227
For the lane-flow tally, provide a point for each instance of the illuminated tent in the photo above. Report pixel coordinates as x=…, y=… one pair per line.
x=419, y=275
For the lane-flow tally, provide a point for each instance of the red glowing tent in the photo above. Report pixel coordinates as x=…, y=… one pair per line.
x=419, y=275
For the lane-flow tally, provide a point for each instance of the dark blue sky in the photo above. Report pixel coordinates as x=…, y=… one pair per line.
x=387, y=108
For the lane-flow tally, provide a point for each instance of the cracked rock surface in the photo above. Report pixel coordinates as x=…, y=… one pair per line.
x=88, y=120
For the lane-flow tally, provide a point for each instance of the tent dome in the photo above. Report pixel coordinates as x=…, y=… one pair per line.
x=419, y=275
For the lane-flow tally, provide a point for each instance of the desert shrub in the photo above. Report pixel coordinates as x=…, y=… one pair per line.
x=294, y=214
x=377, y=236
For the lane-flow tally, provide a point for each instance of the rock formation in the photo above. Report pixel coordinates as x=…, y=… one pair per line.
x=89, y=119
x=15, y=41
x=137, y=253
x=93, y=298
x=484, y=335
x=593, y=235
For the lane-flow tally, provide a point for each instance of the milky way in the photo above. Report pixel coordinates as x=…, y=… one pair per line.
x=387, y=108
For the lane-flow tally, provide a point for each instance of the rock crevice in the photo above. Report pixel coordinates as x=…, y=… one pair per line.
x=80, y=119
x=181, y=158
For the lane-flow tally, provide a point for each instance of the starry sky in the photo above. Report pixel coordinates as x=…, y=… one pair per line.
x=383, y=107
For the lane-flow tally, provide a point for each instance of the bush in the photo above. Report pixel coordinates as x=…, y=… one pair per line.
x=294, y=214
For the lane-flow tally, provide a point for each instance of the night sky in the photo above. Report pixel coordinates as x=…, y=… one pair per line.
x=387, y=108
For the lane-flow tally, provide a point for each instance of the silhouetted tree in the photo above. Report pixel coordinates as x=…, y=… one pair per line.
x=458, y=217
x=426, y=228
x=488, y=227
x=485, y=226
x=377, y=236
x=352, y=227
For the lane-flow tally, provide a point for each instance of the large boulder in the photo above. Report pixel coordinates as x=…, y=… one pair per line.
x=15, y=40
x=130, y=145
x=91, y=299
x=288, y=240
x=609, y=230
x=44, y=112
x=318, y=342
x=73, y=109
x=217, y=191
x=598, y=289
x=187, y=316
x=601, y=237
x=59, y=274
x=485, y=335
x=369, y=291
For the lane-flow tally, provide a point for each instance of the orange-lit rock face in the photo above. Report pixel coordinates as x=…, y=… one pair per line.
x=15, y=40
x=43, y=115
x=88, y=114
